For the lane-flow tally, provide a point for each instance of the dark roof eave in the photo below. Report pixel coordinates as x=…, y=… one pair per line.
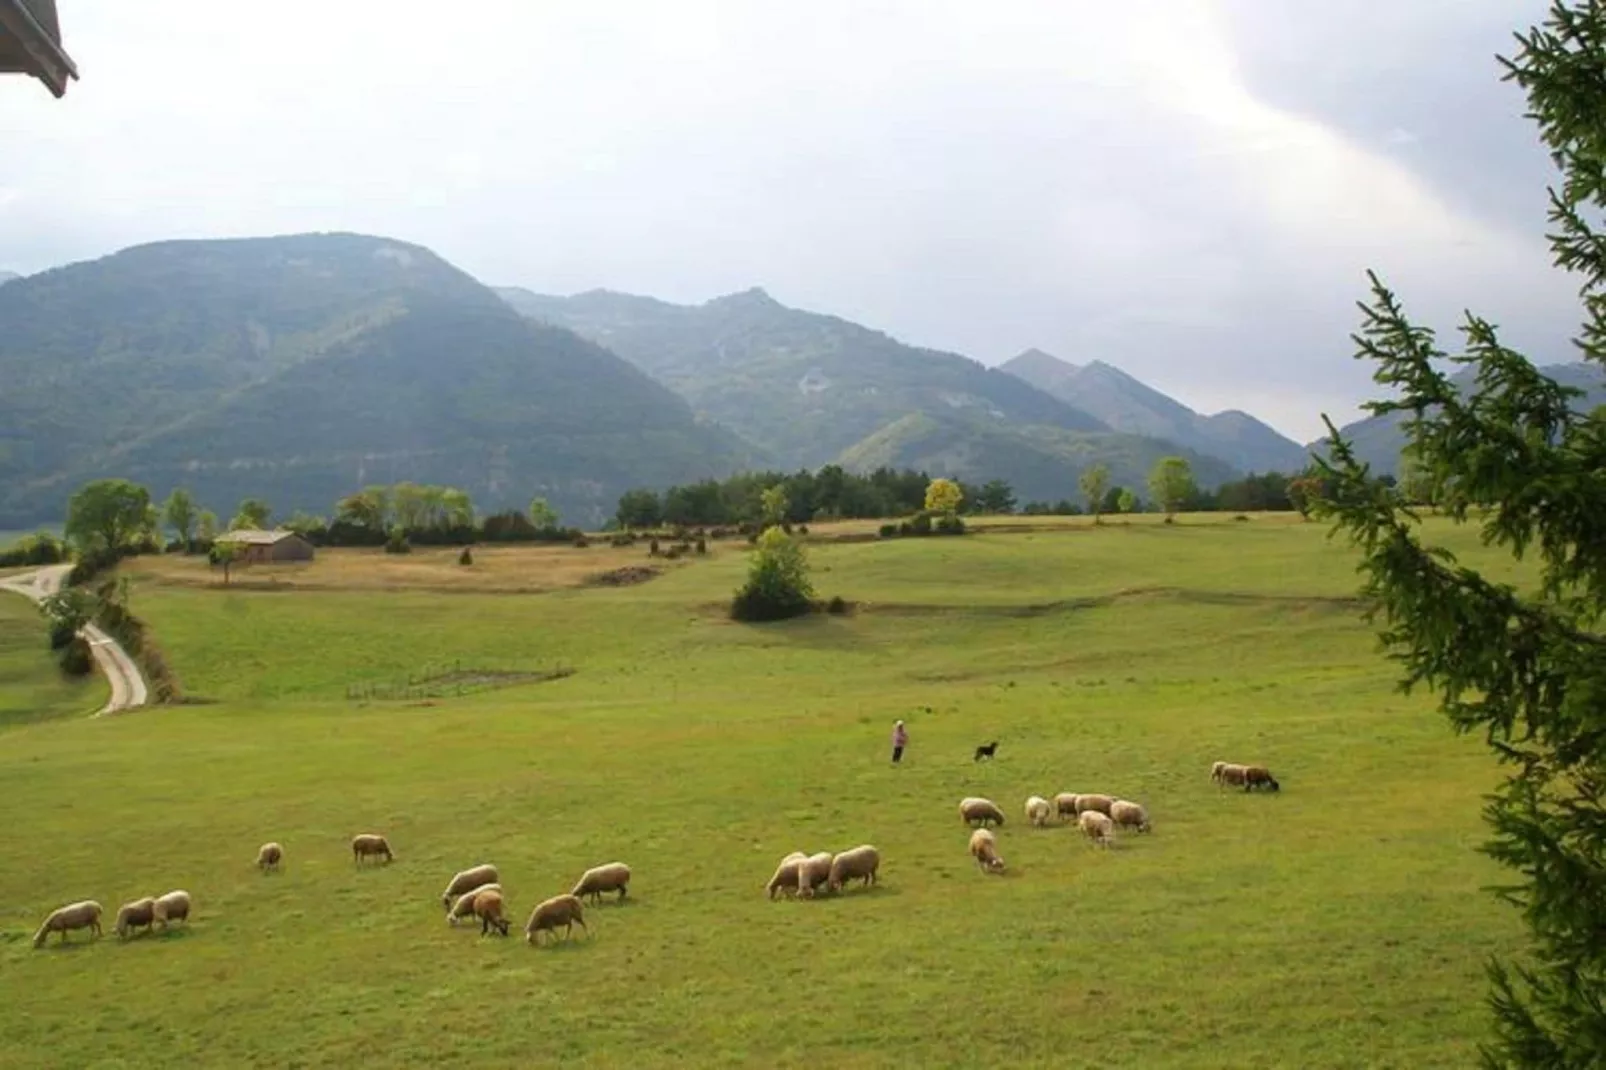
x=42, y=55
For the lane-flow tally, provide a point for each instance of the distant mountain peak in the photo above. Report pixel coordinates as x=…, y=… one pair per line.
x=7, y=276
x=753, y=296
x=1037, y=359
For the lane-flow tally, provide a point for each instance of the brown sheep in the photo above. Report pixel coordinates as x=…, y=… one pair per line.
x=563, y=910
x=1130, y=815
x=984, y=847
x=615, y=876
x=861, y=862
x=140, y=913
x=1258, y=776
x=1231, y=773
x=1100, y=803
x=463, y=905
x=269, y=856
x=812, y=872
x=369, y=843
x=785, y=874
x=1097, y=826
x=488, y=908
x=174, y=906
x=468, y=880
x=84, y=914
x=1065, y=804
x=974, y=809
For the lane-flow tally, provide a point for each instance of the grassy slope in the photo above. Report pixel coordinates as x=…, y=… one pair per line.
x=32, y=688
x=1338, y=924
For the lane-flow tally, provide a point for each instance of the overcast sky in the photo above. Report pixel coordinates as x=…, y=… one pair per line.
x=1189, y=190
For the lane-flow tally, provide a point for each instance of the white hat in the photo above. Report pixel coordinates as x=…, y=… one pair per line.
x=900, y=722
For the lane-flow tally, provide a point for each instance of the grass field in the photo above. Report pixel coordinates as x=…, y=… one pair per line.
x=32, y=689
x=1339, y=923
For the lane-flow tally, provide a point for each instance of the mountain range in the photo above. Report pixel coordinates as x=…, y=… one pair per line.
x=296, y=369
x=7, y=276
x=299, y=368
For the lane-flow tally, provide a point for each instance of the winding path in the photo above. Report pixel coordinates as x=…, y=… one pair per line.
x=128, y=686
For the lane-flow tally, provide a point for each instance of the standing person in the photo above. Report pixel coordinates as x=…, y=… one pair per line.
x=900, y=739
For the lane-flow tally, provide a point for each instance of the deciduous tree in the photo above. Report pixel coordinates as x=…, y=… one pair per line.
x=943, y=496
x=1171, y=484
x=1095, y=484
x=180, y=513
x=106, y=514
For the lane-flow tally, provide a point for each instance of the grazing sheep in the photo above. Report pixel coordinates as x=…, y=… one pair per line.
x=1258, y=776
x=1231, y=773
x=860, y=862
x=974, y=809
x=615, y=876
x=468, y=880
x=812, y=872
x=1215, y=771
x=1065, y=803
x=1130, y=815
x=1101, y=803
x=269, y=855
x=369, y=843
x=488, y=908
x=984, y=846
x=785, y=874
x=1038, y=810
x=1097, y=826
x=174, y=906
x=463, y=905
x=84, y=914
x=562, y=910
x=135, y=915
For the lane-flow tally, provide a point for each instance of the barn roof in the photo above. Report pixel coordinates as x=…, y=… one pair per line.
x=30, y=43
x=257, y=537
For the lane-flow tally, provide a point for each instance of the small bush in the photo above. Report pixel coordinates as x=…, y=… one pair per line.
x=949, y=525
x=836, y=606
x=802, y=529
x=466, y=557
x=1240, y=518
x=580, y=542
x=61, y=633
x=889, y=531
x=906, y=528
x=673, y=553
x=920, y=524
x=397, y=542
x=702, y=545
x=652, y=548
x=752, y=540
x=1170, y=520
x=75, y=657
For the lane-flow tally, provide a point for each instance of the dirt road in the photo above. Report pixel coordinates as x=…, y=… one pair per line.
x=128, y=686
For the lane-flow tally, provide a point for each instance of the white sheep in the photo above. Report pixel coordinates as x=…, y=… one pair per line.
x=984, y=847
x=174, y=906
x=468, y=880
x=813, y=871
x=860, y=862
x=369, y=843
x=137, y=914
x=614, y=876
x=562, y=910
x=974, y=809
x=84, y=914
x=1101, y=803
x=1097, y=826
x=269, y=856
x=463, y=905
x=1038, y=810
x=785, y=874
x=1130, y=815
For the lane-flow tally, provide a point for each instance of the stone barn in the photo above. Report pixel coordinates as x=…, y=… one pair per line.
x=268, y=547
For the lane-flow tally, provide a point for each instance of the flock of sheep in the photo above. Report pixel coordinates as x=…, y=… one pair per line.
x=477, y=892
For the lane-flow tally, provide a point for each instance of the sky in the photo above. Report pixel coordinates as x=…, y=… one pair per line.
x=1190, y=190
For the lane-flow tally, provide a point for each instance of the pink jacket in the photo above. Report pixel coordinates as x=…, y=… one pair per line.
x=900, y=736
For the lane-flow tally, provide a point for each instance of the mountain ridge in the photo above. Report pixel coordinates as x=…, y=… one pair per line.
x=1126, y=403
x=298, y=367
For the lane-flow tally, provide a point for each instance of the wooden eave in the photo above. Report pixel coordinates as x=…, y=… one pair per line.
x=30, y=43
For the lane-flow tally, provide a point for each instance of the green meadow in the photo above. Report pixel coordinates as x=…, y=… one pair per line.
x=1338, y=923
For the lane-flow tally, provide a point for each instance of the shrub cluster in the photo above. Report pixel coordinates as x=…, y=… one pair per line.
x=925, y=523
